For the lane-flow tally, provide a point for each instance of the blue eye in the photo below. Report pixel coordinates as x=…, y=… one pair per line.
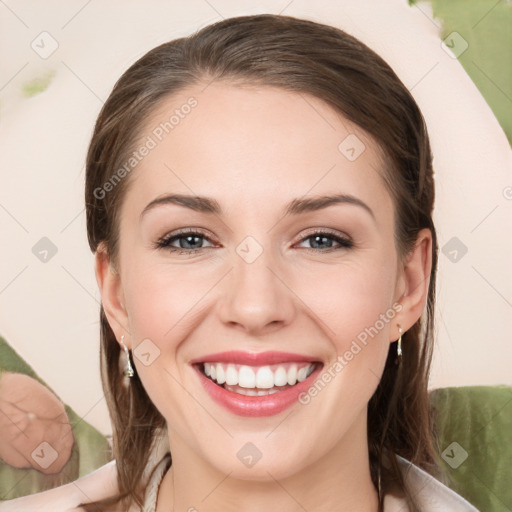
x=321, y=237
x=190, y=242
x=185, y=238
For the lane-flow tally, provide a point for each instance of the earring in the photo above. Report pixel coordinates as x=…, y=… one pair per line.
x=399, y=345
x=128, y=370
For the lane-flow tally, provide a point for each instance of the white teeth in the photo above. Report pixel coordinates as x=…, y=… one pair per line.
x=292, y=375
x=257, y=378
x=231, y=375
x=251, y=392
x=264, y=378
x=280, y=377
x=246, y=377
x=221, y=376
x=301, y=374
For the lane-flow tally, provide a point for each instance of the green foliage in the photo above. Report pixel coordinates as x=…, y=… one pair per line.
x=485, y=26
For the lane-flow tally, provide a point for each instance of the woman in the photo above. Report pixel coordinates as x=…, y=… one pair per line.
x=259, y=199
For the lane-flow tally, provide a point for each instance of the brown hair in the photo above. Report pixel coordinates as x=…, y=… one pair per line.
x=305, y=57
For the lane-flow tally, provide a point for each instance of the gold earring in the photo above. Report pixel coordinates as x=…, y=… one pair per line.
x=128, y=370
x=399, y=345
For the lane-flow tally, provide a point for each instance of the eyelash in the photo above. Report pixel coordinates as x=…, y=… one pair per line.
x=165, y=242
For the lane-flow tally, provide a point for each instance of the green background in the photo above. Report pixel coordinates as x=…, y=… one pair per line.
x=486, y=25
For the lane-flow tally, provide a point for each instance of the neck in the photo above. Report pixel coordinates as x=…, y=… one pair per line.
x=339, y=480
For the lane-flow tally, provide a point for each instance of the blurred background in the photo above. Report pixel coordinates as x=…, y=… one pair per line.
x=58, y=62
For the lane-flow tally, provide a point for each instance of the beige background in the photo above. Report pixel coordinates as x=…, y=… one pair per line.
x=49, y=311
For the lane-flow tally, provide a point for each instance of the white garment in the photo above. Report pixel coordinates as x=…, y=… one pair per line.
x=432, y=495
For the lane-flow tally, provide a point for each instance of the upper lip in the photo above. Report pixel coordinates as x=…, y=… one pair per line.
x=253, y=358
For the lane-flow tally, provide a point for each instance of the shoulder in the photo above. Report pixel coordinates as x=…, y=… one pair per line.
x=432, y=495
x=99, y=484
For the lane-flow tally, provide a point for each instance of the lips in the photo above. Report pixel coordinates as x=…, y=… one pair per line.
x=253, y=358
x=258, y=402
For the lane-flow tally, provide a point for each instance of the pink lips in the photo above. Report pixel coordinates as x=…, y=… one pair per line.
x=253, y=358
x=255, y=406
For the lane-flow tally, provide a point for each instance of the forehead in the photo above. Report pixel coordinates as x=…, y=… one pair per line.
x=247, y=144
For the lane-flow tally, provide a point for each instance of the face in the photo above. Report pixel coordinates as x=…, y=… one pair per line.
x=315, y=288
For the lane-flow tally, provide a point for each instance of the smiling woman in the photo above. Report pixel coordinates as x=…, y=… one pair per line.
x=277, y=243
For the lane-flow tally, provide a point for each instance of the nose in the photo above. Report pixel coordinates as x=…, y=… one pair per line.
x=255, y=297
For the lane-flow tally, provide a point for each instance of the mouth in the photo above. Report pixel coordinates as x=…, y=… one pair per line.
x=257, y=380
x=249, y=384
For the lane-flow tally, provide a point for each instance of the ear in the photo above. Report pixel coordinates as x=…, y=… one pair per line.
x=414, y=281
x=112, y=298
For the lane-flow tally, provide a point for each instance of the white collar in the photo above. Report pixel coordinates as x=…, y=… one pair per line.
x=432, y=495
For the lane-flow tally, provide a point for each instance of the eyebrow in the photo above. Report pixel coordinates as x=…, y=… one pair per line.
x=295, y=207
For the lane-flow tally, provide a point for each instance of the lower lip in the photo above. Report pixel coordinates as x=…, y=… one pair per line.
x=256, y=406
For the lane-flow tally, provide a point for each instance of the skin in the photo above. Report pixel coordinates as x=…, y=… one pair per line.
x=254, y=150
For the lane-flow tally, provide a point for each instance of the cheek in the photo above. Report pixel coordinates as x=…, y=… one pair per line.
x=159, y=299
x=160, y=303
x=354, y=305
x=165, y=303
x=349, y=298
